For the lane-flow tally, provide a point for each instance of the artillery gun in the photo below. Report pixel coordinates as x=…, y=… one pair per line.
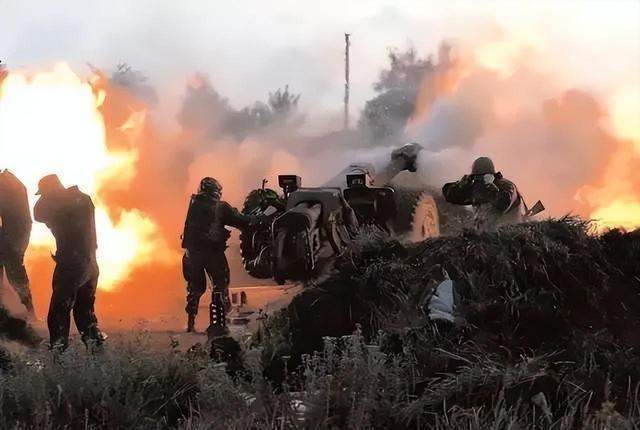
x=305, y=228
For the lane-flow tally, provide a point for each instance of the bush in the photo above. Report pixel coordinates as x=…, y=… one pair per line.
x=545, y=307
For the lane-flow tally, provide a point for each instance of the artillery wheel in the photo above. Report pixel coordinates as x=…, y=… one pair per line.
x=248, y=251
x=417, y=215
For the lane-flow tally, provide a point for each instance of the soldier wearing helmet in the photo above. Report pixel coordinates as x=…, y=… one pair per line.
x=204, y=240
x=495, y=199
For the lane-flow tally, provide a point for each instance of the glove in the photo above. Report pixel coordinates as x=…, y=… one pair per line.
x=466, y=180
x=488, y=178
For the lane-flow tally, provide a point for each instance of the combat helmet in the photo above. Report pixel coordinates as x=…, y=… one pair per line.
x=483, y=166
x=210, y=186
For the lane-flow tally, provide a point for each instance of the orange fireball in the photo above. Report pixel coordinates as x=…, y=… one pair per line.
x=50, y=123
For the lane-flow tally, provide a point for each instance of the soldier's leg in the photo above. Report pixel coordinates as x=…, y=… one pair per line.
x=218, y=271
x=194, y=274
x=65, y=283
x=17, y=277
x=84, y=308
x=193, y=268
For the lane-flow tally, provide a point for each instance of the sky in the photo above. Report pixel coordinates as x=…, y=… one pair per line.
x=249, y=48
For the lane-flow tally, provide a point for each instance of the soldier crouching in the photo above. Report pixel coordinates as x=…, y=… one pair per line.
x=495, y=200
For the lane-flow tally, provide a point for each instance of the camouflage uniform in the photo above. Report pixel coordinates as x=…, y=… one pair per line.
x=495, y=200
x=205, y=241
x=70, y=215
x=15, y=232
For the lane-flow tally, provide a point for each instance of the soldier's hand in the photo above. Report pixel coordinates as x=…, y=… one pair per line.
x=466, y=180
x=491, y=191
x=488, y=179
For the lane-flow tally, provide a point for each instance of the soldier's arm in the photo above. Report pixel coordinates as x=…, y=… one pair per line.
x=459, y=192
x=506, y=196
x=42, y=210
x=232, y=217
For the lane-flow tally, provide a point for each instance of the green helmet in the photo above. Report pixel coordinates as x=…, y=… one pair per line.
x=210, y=186
x=483, y=166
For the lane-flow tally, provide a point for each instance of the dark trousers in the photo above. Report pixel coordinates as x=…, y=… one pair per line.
x=12, y=263
x=74, y=290
x=197, y=265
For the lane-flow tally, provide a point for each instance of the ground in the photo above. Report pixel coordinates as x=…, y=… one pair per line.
x=165, y=329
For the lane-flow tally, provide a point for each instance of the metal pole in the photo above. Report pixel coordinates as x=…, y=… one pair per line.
x=346, y=81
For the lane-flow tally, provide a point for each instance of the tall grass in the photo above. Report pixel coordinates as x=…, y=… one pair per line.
x=350, y=384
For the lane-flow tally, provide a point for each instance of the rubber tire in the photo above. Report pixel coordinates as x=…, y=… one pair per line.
x=453, y=218
x=417, y=215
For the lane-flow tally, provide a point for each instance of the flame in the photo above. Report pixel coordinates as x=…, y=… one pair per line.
x=625, y=112
x=616, y=202
x=619, y=213
x=50, y=123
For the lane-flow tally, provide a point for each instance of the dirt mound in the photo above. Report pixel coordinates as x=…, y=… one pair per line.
x=547, y=302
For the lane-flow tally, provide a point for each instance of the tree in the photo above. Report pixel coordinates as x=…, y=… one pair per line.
x=385, y=115
x=203, y=108
x=280, y=107
x=136, y=84
x=283, y=104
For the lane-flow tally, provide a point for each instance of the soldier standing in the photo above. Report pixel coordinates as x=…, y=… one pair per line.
x=495, y=199
x=15, y=231
x=70, y=215
x=205, y=240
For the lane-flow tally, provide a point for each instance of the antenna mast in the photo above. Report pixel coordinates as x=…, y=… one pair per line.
x=346, y=80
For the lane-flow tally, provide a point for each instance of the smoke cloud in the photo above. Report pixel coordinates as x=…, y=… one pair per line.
x=543, y=118
x=552, y=145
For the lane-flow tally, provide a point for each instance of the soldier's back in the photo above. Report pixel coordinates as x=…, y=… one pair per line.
x=199, y=220
x=73, y=222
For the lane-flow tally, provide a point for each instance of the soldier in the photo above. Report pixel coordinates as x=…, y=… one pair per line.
x=15, y=231
x=205, y=240
x=495, y=200
x=70, y=215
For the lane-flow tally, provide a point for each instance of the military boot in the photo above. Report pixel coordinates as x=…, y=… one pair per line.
x=191, y=323
x=217, y=318
x=94, y=340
